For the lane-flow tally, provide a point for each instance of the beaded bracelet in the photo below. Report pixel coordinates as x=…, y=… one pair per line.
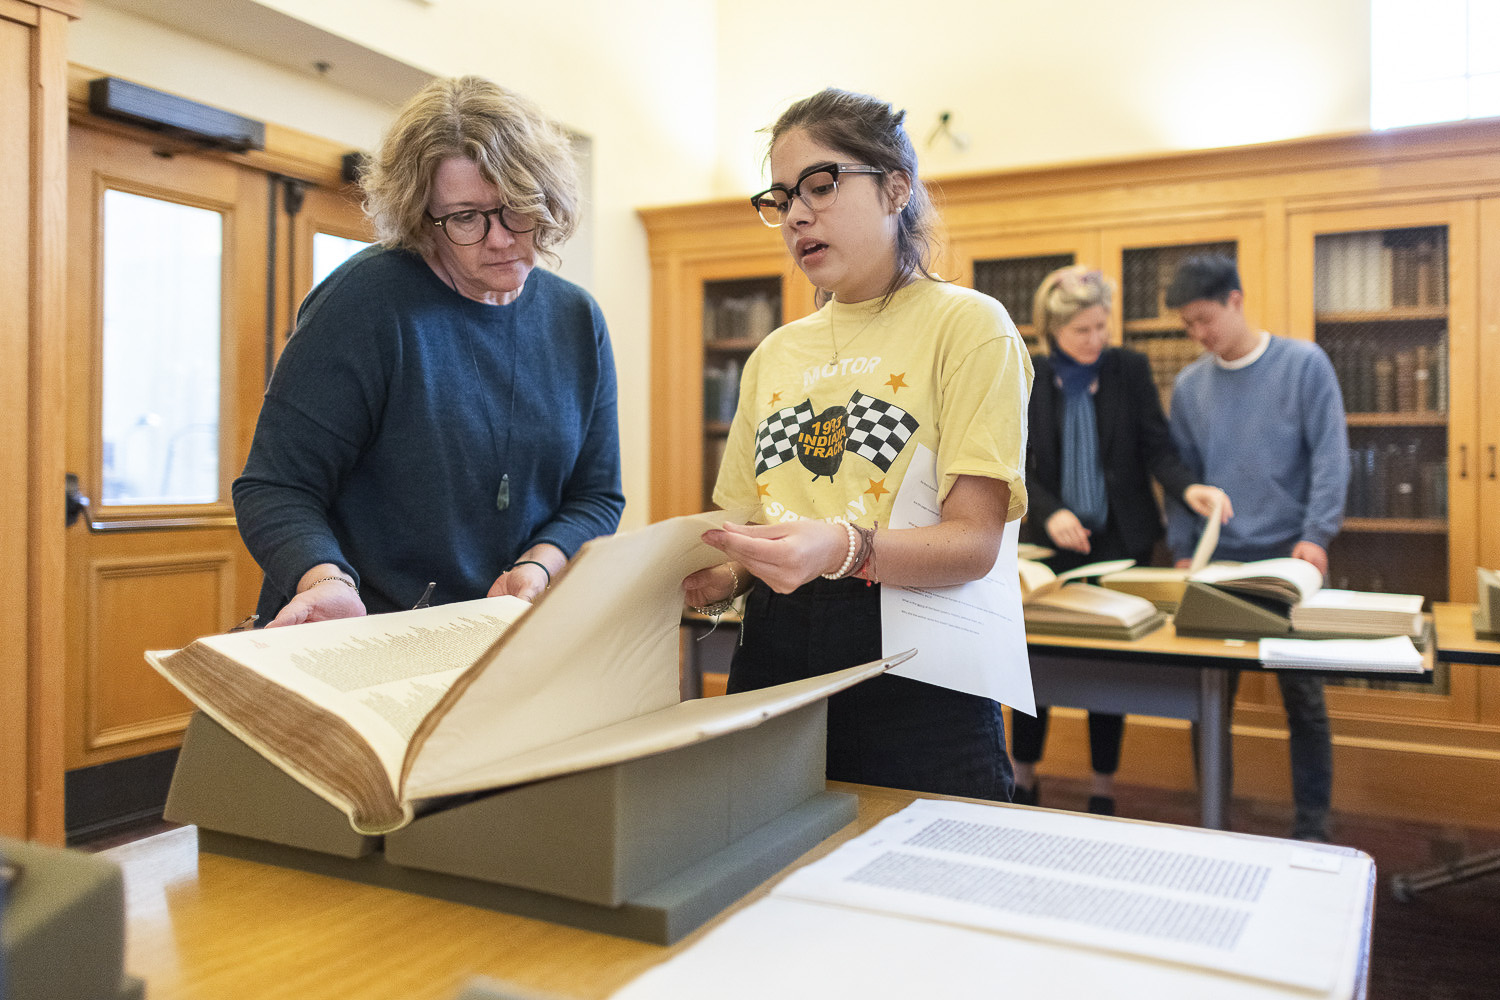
x=717, y=608
x=848, y=563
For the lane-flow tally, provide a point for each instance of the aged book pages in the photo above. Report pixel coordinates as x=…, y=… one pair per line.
x=1284, y=580
x=1083, y=604
x=1038, y=580
x=378, y=713
x=1358, y=612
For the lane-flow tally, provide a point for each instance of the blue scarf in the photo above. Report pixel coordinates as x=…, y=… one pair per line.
x=1082, y=475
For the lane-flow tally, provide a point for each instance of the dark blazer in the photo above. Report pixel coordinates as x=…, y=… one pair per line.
x=1134, y=447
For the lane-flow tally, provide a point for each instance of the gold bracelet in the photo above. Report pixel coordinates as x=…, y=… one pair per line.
x=341, y=579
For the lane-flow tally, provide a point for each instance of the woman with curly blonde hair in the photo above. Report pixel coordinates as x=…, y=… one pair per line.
x=444, y=411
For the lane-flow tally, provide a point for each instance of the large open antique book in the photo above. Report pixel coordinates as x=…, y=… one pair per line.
x=379, y=715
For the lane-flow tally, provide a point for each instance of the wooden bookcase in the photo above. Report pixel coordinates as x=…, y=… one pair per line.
x=1382, y=247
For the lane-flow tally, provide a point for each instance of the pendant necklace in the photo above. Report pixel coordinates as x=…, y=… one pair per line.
x=502, y=495
x=833, y=336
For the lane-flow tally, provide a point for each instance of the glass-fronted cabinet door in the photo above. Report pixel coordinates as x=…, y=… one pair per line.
x=1012, y=269
x=1145, y=260
x=1390, y=295
x=738, y=313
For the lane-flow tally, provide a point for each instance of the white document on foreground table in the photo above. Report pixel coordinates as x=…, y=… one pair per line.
x=950, y=898
x=971, y=637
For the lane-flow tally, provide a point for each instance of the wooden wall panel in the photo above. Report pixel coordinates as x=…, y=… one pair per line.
x=15, y=323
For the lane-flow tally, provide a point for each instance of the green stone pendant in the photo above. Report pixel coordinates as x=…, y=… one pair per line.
x=502, y=499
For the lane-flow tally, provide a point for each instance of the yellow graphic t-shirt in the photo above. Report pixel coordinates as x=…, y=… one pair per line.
x=832, y=406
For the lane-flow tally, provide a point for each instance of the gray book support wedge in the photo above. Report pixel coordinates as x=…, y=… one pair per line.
x=1214, y=613
x=648, y=849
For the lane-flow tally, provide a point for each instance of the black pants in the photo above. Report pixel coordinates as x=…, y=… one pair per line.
x=1106, y=731
x=1106, y=734
x=889, y=731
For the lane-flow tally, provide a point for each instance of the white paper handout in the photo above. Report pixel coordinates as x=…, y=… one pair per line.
x=971, y=637
x=935, y=899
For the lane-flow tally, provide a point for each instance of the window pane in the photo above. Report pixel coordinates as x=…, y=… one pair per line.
x=330, y=251
x=162, y=278
x=1484, y=96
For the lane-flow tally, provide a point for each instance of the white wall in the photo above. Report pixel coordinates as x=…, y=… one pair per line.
x=1040, y=83
x=671, y=92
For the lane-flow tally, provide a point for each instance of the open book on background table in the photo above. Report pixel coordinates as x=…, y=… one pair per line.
x=1286, y=597
x=1285, y=581
x=1163, y=585
x=1056, y=603
x=380, y=714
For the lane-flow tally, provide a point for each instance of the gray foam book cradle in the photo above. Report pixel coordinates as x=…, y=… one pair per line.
x=648, y=848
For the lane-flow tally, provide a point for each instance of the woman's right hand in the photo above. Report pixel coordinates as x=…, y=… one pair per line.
x=329, y=595
x=1067, y=532
x=784, y=555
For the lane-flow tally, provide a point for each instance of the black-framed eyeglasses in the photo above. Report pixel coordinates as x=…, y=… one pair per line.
x=818, y=187
x=471, y=226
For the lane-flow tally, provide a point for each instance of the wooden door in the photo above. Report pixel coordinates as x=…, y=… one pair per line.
x=166, y=348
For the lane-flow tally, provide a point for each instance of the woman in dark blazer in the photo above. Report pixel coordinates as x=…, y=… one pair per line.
x=1097, y=437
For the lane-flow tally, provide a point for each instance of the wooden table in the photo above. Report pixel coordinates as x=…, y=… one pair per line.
x=1456, y=640
x=205, y=927
x=1163, y=674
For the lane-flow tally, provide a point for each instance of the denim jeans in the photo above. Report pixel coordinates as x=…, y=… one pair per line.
x=1311, y=744
x=1310, y=741
x=889, y=731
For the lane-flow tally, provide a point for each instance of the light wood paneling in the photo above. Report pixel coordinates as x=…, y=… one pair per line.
x=15, y=337
x=33, y=150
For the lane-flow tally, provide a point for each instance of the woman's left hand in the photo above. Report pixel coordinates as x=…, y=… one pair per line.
x=525, y=580
x=784, y=555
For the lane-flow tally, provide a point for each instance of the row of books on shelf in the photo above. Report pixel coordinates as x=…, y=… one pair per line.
x=1014, y=281
x=1373, y=271
x=1413, y=380
x=1394, y=480
x=721, y=391
x=749, y=317
x=1147, y=273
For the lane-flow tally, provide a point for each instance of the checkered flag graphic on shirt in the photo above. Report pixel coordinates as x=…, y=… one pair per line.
x=776, y=437
x=878, y=430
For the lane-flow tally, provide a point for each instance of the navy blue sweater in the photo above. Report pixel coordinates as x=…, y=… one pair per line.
x=395, y=410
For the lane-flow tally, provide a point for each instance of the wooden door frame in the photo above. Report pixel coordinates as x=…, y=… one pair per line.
x=31, y=530
x=32, y=533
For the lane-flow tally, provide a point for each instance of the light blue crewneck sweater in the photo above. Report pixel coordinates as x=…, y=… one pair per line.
x=1273, y=436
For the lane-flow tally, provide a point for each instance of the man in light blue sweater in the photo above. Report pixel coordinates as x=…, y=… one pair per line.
x=1261, y=417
